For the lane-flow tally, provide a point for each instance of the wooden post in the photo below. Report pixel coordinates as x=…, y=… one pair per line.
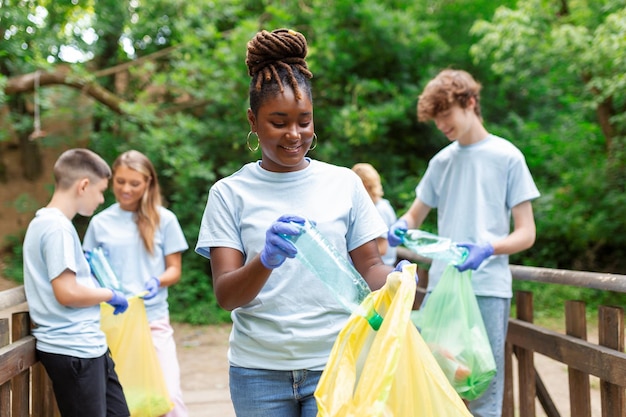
x=526, y=365
x=20, y=384
x=579, y=389
x=44, y=403
x=508, y=405
x=5, y=389
x=611, y=335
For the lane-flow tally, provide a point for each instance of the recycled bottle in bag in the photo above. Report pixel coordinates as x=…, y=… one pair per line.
x=343, y=280
x=432, y=246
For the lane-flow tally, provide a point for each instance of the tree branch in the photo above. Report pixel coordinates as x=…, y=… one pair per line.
x=123, y=67
x=62, y=75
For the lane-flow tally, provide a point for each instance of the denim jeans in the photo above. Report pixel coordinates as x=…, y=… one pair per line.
x=262, y=393
x=495, y=312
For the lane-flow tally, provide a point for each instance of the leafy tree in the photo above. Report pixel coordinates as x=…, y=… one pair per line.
x=562, y=67
x=168, y=78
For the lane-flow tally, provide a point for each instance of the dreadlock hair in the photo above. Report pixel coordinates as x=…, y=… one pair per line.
x=147, y=214
x=448, y=88
x=274, y=59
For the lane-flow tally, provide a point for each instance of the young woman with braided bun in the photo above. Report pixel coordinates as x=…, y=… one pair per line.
x=285, y=321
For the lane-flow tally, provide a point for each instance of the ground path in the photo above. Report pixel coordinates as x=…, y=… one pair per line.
x=204, y=369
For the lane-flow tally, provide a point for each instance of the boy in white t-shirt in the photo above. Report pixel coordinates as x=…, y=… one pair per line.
x=63, y=300
x=477, y=183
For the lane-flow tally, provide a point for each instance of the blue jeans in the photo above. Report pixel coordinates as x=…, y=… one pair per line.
x=495, y=312
x=262, y=392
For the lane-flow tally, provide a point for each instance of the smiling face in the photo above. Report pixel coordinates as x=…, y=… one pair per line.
x=455, y=122
x=129, y=187
x=285, y=129
x=462, y=124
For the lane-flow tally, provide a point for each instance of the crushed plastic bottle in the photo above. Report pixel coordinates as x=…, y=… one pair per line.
x=343, y=280
x=432, y=246
x=101, y=269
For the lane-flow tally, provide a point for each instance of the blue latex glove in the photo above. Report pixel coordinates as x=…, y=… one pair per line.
x=401, y=264
x=118, y=301
x=277, y=249
x=477, y=254
x=392, y=237
x=152, y=286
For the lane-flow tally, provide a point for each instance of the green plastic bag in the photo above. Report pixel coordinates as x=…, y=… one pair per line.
x=389, y=372
x=452, y=326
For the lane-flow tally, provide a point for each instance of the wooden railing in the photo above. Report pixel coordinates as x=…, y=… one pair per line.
x=605, y=360
x=25, y=388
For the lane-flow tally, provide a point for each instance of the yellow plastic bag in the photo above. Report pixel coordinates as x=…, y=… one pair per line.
x=389, y=372
x=136, y=361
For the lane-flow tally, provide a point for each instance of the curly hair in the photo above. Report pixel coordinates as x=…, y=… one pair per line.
x=448, y=88
x=274, y=59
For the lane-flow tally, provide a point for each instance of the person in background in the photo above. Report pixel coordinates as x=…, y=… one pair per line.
x=63, y=299
x=144, y=243
x=477, y=183
x=285, y=321
x=371, y=180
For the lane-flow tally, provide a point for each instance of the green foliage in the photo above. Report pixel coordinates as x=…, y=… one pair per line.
x=573, y=136
x=192, y=300
x=11, y=262
x=547, y=77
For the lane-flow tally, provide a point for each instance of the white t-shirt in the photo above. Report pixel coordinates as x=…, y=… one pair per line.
x=389, y=216
x=51, y=246
x=294, y=320
x=116, y=231
x=474, y=188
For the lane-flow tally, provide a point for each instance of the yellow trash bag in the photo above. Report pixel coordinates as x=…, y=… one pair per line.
x=136, y=362
x=389, y=372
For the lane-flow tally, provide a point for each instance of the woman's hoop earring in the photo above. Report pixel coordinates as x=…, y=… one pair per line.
x=314, y=142
x=257, y=141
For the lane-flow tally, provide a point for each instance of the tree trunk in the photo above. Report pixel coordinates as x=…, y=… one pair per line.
x=31, y=158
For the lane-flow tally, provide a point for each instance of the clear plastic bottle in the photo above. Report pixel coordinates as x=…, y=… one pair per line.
x=432, y=246
x=343, y=280
x=101, y=269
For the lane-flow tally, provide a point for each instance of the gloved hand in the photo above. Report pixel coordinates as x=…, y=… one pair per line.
x=477, y=254
x=277, y=249
x=401, y=264
x=118, y=301
x=401, y=226
x=152, y=286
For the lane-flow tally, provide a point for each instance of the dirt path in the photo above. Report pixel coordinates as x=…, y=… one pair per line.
x=204, y=369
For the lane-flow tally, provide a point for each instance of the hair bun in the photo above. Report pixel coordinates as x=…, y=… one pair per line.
x=269, y=48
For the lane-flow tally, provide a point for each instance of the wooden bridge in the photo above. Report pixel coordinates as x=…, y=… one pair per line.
x=25, y=389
